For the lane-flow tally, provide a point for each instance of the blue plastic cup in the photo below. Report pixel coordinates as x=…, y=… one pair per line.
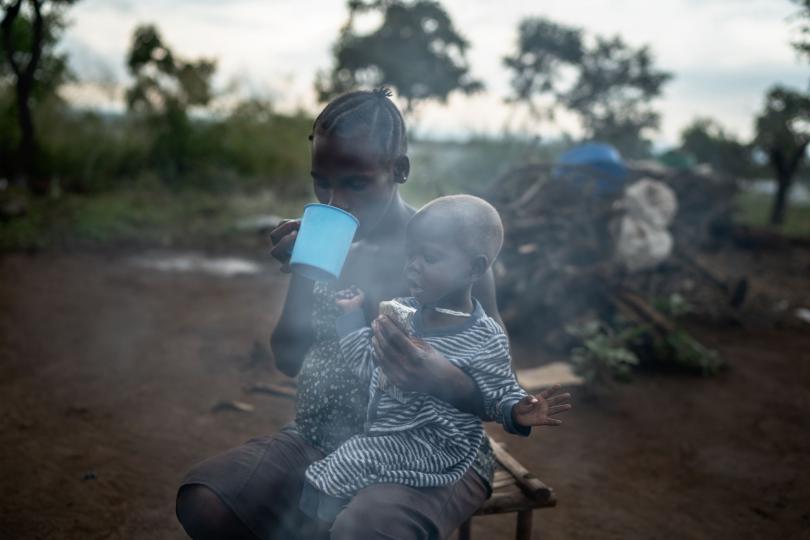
x=323, y=242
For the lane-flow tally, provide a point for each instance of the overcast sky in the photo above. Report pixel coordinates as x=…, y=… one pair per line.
x=723, y=53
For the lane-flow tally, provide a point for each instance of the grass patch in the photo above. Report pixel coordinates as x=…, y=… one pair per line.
x=139, y=217
x=754, y=209
x=154, y=216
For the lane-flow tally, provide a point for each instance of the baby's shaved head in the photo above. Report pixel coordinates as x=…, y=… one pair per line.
x=475, y=223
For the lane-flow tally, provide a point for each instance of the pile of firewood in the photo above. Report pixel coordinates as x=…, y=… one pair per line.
x=558, y=264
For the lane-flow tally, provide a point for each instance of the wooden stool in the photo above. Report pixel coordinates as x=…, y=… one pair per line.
x=514, y=489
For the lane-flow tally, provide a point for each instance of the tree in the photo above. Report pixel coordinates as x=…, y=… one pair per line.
x=783, y=133
x=416, y=50
x=163, y=81
x=708, y=143
x=29, y=32
x=604, y=81
x=545, y=50
x=612, y=93
x=165, y=88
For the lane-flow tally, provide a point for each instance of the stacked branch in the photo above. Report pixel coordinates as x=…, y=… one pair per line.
x=558, y=265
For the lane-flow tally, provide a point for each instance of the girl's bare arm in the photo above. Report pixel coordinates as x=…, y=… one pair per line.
x=293, y=335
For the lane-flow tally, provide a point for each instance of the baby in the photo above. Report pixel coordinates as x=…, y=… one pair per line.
x=414, y=438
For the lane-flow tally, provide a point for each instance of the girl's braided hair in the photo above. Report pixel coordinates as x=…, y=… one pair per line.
x=365, y=113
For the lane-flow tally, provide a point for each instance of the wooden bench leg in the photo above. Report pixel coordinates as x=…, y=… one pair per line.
x=464, y=532
x=524, y=525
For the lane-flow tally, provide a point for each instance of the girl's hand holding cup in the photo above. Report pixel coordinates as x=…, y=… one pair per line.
x=283, y=238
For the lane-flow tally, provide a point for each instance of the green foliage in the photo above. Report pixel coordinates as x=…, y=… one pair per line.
x=708, y=143
x=609, y=351
x=163, y=82
x=612, y=94
x=802, y=43
x=784, y=122
x=416, y=50
x=251, y=149
x=265, y=148
x=51, y=71
x=165, y=87
x=605, y=353
x=604, y=81
x=674, y=305
x=29, y=66
x=544, y=50
x=89, y=152
x=688, y=354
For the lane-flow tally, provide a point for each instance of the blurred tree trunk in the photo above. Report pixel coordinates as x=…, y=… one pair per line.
x=24, y=86
x=785, y=168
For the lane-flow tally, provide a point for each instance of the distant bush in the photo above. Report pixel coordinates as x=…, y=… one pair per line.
x=87, y=152
x=258, y=144
x=441, y=168
x=251, y=148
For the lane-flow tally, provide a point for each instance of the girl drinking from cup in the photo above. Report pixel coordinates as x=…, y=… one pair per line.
x=359, y=159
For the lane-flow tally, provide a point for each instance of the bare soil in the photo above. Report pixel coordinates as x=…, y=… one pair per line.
x=108, y=373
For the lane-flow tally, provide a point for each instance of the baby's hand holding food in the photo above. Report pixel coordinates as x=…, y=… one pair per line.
x=399, y=313
x=410, y=363
x=350, y=299
x=538, y=410
x=283, y=239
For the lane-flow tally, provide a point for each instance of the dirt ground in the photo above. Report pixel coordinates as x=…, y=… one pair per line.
x=108, y=372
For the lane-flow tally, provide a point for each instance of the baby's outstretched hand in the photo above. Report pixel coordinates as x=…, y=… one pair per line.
x=350, y=299
x=538, y=410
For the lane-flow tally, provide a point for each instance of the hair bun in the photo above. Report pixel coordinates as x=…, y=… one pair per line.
x=382, y=92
